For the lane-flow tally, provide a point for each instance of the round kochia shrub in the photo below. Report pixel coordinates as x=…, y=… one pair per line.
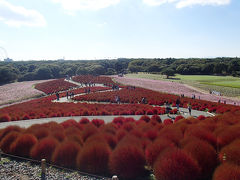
x=127, y=161
x=44, y=149
x=153, y=150
x=94, y=158
x=8, y=140
x=23, y=145
x=9, y=129
x=66, y=153
x=88, y=131
x=204, y=154
x=5, y=118
x=176, y=165
x=227, y=171
x=232, y=152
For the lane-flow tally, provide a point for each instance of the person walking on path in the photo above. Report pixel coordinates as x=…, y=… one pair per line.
x=190, y=108
x=177, y=104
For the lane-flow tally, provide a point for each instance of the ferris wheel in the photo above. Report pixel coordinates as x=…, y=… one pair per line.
x=3, y=54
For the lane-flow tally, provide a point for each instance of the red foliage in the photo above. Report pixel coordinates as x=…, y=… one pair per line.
x=9, y=129
x=129, y=126
x=66, y=153
x=151, y=134
x=23, y=145
x=120, y=134
x=176, y=165
x=109, y=128
x=69, y=123
x=5, y=118
x=88, y=131
x=178, y=118
x=118, y=120
x=44, y=149
x=110, y=139
x=167, y=121
x=227, y=171
x=127, y=162
x=94, y=158
x=231, y=152
x=204, y=154
x=156, y=118
x=145, y=118
x=172, y=133
x=201, y=133
x=84, y=121
x=54, y=86
x=6, y=142
x=98, y=122
x=228, y=134
x=201, y=117
x=153, y=150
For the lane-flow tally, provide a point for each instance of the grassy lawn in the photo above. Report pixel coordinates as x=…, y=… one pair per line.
x=227, y=85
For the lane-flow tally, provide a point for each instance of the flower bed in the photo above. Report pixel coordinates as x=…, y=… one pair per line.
x=191, y=148
x=54, y=86
x=86, y=79
x=18, y=91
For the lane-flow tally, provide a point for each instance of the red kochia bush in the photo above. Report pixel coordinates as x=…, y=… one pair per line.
x=98, y=122
x=8, y=140
x=9, y=129
x=84, y=121
x=176, y=165
x=145, y=118
x=44, y=149
x=201, y=117
x=127, y=161
x=232, y=152
x=167, y=121
x=205, y=155
x=153, y=150
x=178, y=118
x=88, y=131
x=5, y=118
x=66, y=153
x=156, y=118
x=227, y=171
x=68, y=123
x=23, y=145
x=94, y=158
x=201, y=133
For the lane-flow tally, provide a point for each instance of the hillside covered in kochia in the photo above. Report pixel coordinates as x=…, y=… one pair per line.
x=38, y=70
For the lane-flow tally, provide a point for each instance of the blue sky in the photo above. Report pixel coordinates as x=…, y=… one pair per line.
x=89, y=29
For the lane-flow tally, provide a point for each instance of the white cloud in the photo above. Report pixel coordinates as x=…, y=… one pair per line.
x=19, y=16
x=186, y=3
x=75, y=5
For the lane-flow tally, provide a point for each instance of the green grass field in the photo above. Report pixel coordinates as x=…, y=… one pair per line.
x=227, y=85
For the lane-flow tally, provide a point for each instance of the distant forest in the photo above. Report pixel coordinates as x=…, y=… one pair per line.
x=39, y=70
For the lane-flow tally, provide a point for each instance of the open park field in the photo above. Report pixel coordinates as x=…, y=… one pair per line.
x=127, y=137
x=227, y=85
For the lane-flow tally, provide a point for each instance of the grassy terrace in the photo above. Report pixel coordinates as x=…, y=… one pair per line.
x=227, y=85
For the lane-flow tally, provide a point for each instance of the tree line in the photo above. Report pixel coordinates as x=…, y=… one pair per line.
x=39, y=70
